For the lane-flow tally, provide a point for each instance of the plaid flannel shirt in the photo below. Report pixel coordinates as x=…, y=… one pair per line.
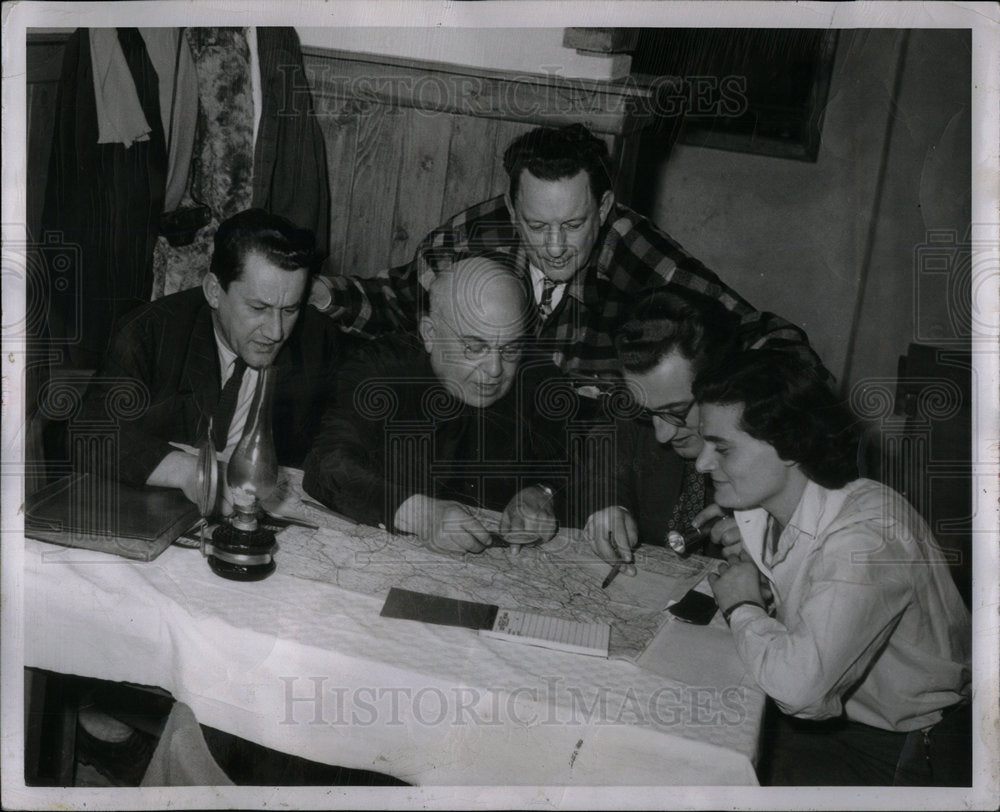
x=630, y=255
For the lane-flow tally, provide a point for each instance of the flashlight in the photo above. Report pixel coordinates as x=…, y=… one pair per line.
x=687, y=542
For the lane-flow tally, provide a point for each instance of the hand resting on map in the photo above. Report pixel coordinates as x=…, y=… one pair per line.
x=442, y=524
x=445, y=525
x=530, y=511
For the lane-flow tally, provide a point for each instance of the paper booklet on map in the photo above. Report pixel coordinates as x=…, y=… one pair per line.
x=551, y=632
x=504, y=624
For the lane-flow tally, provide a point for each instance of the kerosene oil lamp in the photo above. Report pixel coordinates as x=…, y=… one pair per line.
x=242, y=548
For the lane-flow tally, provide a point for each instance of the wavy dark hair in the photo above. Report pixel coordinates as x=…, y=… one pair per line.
x=663, y=320
x=554, y=153
x=787, y=405
x=255, y=231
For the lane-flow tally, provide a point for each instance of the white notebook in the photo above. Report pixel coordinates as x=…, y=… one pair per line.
x=551, y=632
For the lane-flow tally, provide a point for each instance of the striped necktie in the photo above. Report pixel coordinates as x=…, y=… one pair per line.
x=771, y=537
x=545, y=303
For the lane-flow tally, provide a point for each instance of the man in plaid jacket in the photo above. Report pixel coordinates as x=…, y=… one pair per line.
x=585, y=259
x=584, y=256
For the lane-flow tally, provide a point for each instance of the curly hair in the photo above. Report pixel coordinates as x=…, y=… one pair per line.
x=662, y=320
x=787, y=405
x=554, y=153
x=255, y=231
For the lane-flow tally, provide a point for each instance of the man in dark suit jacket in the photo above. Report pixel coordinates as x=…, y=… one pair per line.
x=425, y=428
x=163, y=377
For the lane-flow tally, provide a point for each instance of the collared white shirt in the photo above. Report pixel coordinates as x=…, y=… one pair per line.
x=865, y=608
x=537, y=281
x=227, y=362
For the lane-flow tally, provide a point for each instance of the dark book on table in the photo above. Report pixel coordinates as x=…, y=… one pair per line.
x=97, y=514
x=489, y=620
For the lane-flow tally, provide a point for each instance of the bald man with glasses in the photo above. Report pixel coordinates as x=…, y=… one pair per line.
x=425, y=428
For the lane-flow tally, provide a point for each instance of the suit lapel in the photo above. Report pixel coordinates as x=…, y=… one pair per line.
x=288, y=359
x=201, y=373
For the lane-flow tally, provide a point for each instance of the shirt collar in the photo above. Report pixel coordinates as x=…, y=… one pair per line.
x=805, y=521
x=538, y=279
x=575, y=287
x=227, y=358
x=810, y=509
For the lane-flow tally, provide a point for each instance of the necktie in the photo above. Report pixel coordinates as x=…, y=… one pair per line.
x=691, y=499
x=545, y=303
x=227, y=404
x=771, y=537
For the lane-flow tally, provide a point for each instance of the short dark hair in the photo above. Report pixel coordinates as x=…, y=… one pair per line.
x=663, y=320
x=255, y=231
x=787, y=404
x=554, y=153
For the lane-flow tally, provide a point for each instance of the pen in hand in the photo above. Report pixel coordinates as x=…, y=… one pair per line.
x=618, y=562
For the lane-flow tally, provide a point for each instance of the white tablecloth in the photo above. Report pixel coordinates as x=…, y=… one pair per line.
x=304, y=664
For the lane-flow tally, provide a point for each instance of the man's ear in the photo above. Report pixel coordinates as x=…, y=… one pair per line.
x=212, y=288
x=426, y=330
x=510, y=204
x=607, y=201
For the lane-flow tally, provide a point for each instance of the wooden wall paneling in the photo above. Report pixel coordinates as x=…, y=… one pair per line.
x=506, y=132
x=373, y=194
x=423, y=171
x=340, y=135
x=472, y=158
x=352, y=94
x=486, y=110
x=480, y=92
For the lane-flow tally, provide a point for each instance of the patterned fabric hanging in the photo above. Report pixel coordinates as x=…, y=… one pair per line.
x=222, y=164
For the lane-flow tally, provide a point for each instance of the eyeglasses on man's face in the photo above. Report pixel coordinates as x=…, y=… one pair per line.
x=475, y=349
x=675, y=417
